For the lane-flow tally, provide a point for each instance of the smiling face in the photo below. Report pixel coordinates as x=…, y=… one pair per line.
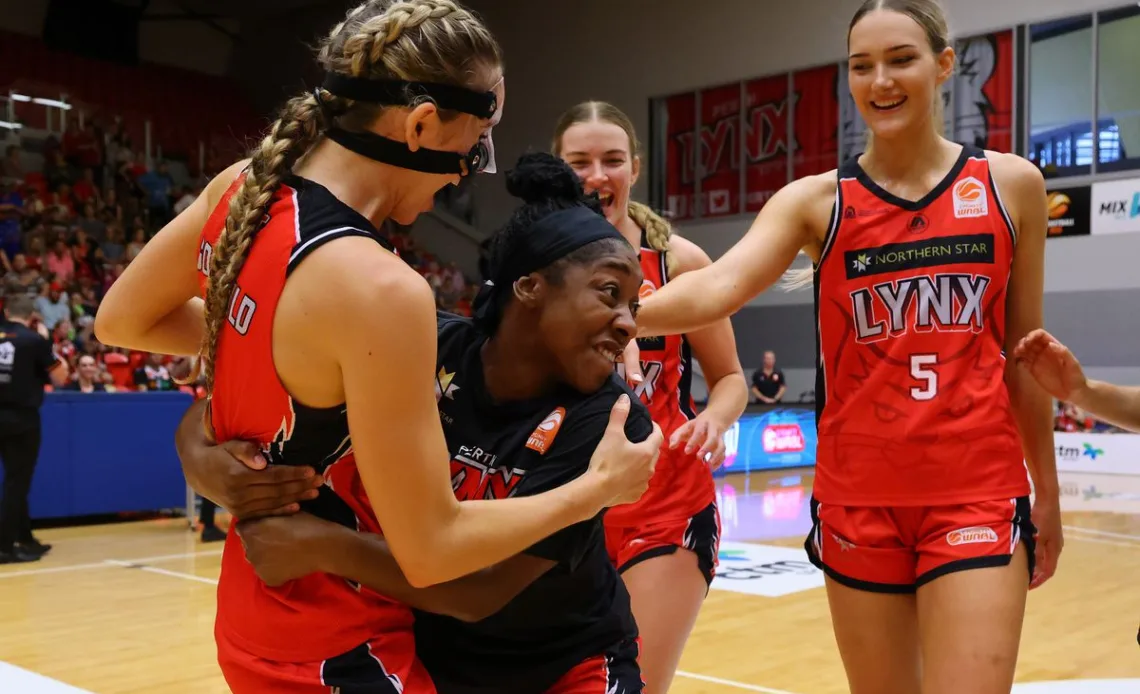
x=896, y=68
x=600, y=154
x=586, y=312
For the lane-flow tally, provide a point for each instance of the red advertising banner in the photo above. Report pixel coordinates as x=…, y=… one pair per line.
x=816, y=132
x=765, y=139
x=720, y=151
x=984, y=92
x=680, y=127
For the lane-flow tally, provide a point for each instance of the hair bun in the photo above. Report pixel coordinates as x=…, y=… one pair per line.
x=541, y=176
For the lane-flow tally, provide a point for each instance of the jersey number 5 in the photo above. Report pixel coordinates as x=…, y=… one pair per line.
x=920, y=371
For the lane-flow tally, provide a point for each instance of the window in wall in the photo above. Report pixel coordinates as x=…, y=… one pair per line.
x=1060, y=95
x=1118, y=80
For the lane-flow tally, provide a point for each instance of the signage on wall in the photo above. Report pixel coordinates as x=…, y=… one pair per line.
x=1116, y=207
x=1070, y=211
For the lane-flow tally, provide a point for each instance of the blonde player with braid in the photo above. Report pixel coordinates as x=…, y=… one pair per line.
x=665, y=545
x=320, y=346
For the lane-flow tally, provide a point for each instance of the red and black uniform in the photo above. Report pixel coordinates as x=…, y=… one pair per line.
x=679, y=508
x=320, y=633
x=919, y=467
x=571, y=630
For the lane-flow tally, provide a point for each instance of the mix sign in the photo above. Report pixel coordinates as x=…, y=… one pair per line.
x=1116, y=207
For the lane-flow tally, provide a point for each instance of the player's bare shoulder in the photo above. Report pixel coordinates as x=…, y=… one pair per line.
x=1019, y=182
x=810, y=201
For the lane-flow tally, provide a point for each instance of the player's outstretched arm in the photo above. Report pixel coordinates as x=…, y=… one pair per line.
x=155, y=305
x=380, y=319
x=699, y=298
x=1058, y=371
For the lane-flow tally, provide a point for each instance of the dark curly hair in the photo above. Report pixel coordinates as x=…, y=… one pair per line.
x=546, y=184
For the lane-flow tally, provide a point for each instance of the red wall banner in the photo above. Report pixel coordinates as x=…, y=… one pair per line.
x=765, y=139
x=720, y=151
x=681, y=124
x=817, y=120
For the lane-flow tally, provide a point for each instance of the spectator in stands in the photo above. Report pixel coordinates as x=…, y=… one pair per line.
x=92, y=226
x=159, y=187
x=153, y=375
x=768, y=383
x=59, y=261
x=54, y=306
x=88, y=378
x=113, y=247
x=189, y=195
x=11, y=218
x=13, y=167
x=138, y=240
x=56, y=171
x=86, y=190
x=111, y=210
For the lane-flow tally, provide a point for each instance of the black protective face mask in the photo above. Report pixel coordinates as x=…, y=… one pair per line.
x=480, y=159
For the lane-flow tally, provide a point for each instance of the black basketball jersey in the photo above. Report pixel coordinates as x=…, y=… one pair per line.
x=579, y=608
x=26, y=359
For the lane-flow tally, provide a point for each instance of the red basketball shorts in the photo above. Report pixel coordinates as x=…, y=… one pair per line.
x=628, y=546
x=614, y=671
x=897, y=549
x=385, y=665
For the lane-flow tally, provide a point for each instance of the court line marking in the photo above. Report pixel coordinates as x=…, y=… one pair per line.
x=1102, y=533
x=1101, y=541
x=103, y=564
x=731, y=683
x=164, y=572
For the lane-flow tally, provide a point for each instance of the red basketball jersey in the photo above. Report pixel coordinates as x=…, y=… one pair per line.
x=912, y=408
x=318, y=616
x=682, y=484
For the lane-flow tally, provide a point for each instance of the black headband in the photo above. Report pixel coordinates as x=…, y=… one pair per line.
x=402, y=93
x=548, y=240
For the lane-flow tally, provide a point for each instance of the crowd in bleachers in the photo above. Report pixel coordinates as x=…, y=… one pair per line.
x=1068, y=417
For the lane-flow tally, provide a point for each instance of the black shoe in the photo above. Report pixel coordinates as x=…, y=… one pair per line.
x=212, y=533
x=17, y=555
x=34, y=546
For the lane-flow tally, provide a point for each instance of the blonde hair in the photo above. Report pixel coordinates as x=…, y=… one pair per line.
x=416, y=40
x=657, y=229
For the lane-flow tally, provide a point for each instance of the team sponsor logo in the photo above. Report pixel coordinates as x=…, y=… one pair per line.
x=1070, y=211
x=912, y=255
x=444, y=388
x=783, y=438
x=646, y=290
x=543, y=435
x=764, y=570
x=1116, y=207
x=850, y=212
x=918, y=224
x=970, y=198
x=1073, y=453
x=971, y=536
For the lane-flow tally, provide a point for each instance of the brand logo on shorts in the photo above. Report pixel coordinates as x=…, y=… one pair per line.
x=971, y=536
x=970, y=199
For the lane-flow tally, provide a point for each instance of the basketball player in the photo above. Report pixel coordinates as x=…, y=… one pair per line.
x=526, y=391
x=666, y=544
x=928, y=270
x=318, y=342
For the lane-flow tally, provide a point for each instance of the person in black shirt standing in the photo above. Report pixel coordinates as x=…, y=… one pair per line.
x=525, y=393
x=768, y=384
x=27, y=364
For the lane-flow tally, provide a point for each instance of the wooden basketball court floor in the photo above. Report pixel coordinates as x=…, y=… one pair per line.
x=129, y=608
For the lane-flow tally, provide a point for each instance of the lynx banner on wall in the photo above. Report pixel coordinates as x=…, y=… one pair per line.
x=1070, y=211
x=766, y=139
x=983, y=92
x=1116, y=207
x=680, y=155
x=720, y=151
x=816, y=132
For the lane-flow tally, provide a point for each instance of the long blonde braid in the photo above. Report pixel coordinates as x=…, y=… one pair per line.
x=423, y=40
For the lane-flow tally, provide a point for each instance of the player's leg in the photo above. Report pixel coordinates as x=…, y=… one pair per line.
x=667, y=568
x=614, y=671
x=870, y=582
x=972, y=593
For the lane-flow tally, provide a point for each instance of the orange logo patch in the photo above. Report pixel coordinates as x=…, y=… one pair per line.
x=969, y=536
x=646, y=289
x=543, y=435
